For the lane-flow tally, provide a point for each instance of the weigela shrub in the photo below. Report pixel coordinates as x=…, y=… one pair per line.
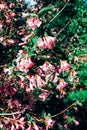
x=37, y=81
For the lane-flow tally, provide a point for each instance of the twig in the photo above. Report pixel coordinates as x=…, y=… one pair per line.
x=63, y=110
x=64, y=27
x=9, y=114
x=38, y=120
x=59, y=11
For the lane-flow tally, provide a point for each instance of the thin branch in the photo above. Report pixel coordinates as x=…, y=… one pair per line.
x=64, y=27
x=9, y=114
x=63, y=110
x=59, y=11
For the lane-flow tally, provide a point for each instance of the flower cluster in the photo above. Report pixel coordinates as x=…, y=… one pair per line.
x=23, y=63
x=33, y=23
x=46, y=42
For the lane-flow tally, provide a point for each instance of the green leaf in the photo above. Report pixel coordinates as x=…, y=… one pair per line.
x=34, y=41
x=44, y=10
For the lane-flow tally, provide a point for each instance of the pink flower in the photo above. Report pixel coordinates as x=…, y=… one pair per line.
x=33, y=22
x=11, y=5
x=49, y=122
x=7, y=70
x=15, y=123
x=47, y=42
x=30, y=127
x=40, y=83
x=47, y=67
x=32, y=83
x=75, y=122
x=64, y=66
x=3, y=6
x=62, y=84
x=1, y=38
x=10, y=41
x=14, y=103
x=1, y=124
x=24, y=63
x=44, y=95
x=35, y=127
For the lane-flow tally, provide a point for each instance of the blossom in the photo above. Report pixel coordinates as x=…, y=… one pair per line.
x=64, y=66
x=15, y=123
x=7, y=70
x=44, y=95
x=62, y=84
x=14, y=103
x=72, y=75
x=40, y=83
x=47, y=67
x=49, y=122
x=1, y=125
x=32, y=83
x=24, y=63
x=47, y=42
x=1, y=38
x=75, y=122
x=3, y=6
x=33, y=22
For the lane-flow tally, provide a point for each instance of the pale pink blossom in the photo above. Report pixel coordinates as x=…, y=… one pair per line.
x=7, y=70
x=64, y=66
x=3, y=6
x=35, y=127
x=75, y=122
x=12, y=5
x=15, y=123
x=21, y=84
x=32, y=83
x=47, y=42
x=44, y=95
x=25, y=39
x=9, y=15
x=49, y=122
x=14, y=103
x=47, y=67
x=40, y=83
x=1, y=124
x=24, y=63
x=35, y=81
x=30, y=127
x=1, y=38
x=62, y=84
x=10, y=41
x=33, y=22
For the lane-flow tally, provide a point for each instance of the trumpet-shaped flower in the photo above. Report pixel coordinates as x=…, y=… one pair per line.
x=47, y=42
x=33, y=22
x=62, y=84
x=24, y=63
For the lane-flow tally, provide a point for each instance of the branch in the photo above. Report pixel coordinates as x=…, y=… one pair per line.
x=9, y=114
x=64, y=27
x=63, y=110
x=59, y=11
